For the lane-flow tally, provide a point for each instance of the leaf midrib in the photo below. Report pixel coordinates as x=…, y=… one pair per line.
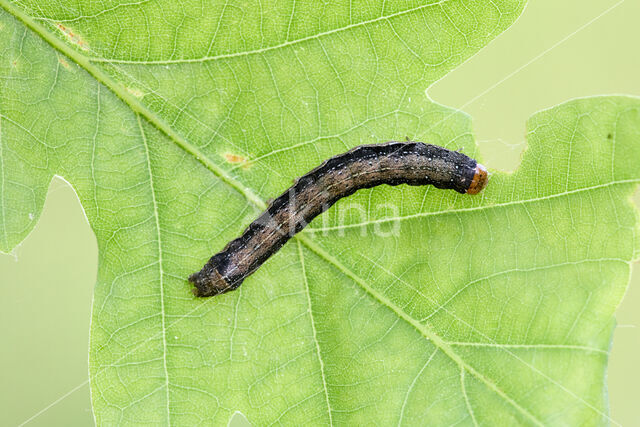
x=138, y=108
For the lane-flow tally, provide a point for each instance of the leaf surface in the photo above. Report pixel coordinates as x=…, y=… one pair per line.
x=175, y=121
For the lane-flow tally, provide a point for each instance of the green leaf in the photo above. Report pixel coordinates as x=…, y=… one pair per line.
x=175, y=121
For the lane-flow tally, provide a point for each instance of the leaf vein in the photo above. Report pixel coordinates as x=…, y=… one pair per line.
x=317, y=36
x=160, y=268
x=422, y=329
x=475, y=208
x=315, y=334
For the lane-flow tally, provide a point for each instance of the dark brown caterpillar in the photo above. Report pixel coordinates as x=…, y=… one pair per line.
x=365, y=166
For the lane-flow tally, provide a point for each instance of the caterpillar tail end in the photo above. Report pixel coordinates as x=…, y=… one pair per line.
x=208, y=282
x=480, y=179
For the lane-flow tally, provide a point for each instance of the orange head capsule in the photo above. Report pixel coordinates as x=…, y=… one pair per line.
x=479, y=181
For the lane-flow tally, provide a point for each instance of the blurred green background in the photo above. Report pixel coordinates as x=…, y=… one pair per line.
x=555, y=52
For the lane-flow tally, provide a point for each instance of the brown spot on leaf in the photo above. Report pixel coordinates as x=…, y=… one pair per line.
x=64, y=63
x=135, y=92
x=237, y=160
x=73, y=37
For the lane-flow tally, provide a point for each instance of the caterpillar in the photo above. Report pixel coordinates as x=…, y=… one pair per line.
x=365, y=166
